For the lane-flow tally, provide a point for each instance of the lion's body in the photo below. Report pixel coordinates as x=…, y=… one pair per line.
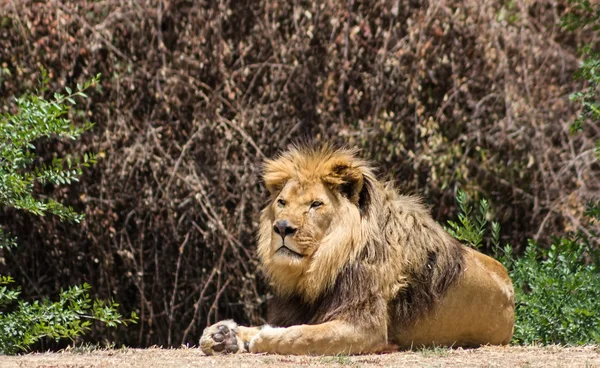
x=355, y=267
x=477, y=310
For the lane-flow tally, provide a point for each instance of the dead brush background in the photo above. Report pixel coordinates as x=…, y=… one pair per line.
x=194, y=95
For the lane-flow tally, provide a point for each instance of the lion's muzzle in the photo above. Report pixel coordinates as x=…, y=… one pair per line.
x=284, y=228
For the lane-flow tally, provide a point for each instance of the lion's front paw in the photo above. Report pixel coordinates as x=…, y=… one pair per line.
x=221, y=338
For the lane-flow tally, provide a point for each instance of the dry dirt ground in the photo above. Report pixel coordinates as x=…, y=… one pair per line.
x=514, y=356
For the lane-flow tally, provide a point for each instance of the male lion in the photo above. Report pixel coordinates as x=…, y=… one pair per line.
x=356, y=267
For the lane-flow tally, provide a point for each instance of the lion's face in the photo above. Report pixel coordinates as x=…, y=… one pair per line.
x=312, y=225
x=301, y=216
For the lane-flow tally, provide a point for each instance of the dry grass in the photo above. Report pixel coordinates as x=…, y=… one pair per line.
x=514, y=356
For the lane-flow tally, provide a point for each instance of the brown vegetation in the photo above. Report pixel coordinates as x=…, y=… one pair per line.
x=195, y=95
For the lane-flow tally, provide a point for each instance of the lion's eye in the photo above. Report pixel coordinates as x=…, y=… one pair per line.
x=280, y=202
x=316, y=204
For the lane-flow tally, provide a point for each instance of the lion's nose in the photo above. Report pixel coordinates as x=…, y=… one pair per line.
x=284, y=228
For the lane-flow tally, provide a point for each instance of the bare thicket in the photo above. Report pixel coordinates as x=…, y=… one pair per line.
x=195, y=94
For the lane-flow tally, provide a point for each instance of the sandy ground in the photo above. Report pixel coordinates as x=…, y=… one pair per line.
x=515, y=356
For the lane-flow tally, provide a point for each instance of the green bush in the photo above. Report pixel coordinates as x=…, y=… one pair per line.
x=23, y=323
x=557, y=290
x=68, y=317
x=471, y=225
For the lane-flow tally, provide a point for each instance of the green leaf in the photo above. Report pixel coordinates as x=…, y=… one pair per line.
x=23, y=324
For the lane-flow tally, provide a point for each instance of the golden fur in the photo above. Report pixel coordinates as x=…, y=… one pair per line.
x=355, y=267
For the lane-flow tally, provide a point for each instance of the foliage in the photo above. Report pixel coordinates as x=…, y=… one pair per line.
x=68, y=317
x=23, y=323
x=557, y=290
x=472, y=225
x=19, y=170
x=593, y=210
x=586, y=15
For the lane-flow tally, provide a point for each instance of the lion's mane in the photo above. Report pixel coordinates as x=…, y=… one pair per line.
x=391, y=246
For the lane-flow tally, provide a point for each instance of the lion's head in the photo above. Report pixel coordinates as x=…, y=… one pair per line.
x=311, y=227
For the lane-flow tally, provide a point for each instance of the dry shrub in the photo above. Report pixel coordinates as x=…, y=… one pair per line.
x=195, y=94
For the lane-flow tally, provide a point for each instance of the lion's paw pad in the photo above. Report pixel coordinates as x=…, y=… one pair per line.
x=219, y=339
x=225, y=340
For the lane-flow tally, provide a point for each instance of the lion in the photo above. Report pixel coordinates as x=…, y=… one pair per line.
x=357, y=268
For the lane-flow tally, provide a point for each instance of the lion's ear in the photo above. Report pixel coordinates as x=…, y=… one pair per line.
x=347, y=179
x=275, y=176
